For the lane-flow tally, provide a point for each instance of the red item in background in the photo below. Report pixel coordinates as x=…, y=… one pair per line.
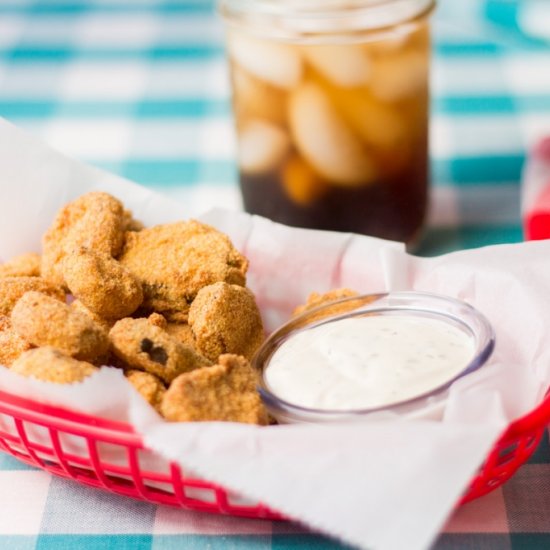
x=536, y=193
x=537, y=221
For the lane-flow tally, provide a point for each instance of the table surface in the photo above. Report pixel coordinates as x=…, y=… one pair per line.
x=140, y=87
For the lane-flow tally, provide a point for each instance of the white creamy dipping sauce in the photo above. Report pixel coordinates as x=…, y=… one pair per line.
x=364, y=362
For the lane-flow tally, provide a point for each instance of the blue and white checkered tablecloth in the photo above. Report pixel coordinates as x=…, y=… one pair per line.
x=140, y=87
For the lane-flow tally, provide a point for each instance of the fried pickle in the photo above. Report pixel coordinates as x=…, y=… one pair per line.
x=25, y=265
x=12, y=288
x=95, y=220
x=225, y=319
x=148, y=385
x=101, y=283
x=224, y=392
x=147, y=347
x=11, y=344
x=52, y=365
x=45, y=321
x=315, y=299
x=174, y=261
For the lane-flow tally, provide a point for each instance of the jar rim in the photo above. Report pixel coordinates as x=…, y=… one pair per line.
x=295, y=18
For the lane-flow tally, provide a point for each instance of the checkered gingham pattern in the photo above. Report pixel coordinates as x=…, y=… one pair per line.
x=140, y=87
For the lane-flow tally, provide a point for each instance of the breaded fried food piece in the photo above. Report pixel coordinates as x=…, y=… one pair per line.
x=181, y=331
x=12, y=288
x=225, y=319
x=148, y=385
x=45, y=321
x=158, y=320
x=147, y=347
x=226, y=391
x=95, y=220
x=105, y=324
x=52, y=365
x=25, y=265
x=11, y=344
x=101, y=283
x=174, y=261
x=315, y=300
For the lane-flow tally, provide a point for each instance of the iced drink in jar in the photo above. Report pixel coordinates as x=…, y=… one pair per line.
x=330, y=101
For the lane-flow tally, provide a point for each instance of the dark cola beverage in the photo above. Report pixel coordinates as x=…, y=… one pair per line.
x=334, y=135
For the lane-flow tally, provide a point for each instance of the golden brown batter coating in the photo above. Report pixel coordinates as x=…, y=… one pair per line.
x=102, y=284
x=51, y=365
x=225, y=319
x=105, y=324
x=11, y=344
x=148, y=385
x=25, y=265
x=174, y=261
x=226, y=392
x=147, y=347
x=94, y=220
x=181, y=331
x=315, y=300
x=45, y=321
x=158, y=320
x=12, y=288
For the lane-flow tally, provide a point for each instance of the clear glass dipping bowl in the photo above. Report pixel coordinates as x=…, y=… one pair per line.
x=427, y=405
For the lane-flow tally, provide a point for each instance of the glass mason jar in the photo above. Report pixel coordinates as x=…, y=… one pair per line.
x=330, y=100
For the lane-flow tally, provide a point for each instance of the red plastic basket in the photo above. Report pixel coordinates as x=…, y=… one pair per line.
x=78, y=447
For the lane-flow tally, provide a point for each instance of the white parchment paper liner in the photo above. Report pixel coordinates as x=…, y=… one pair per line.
x=380, y=485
